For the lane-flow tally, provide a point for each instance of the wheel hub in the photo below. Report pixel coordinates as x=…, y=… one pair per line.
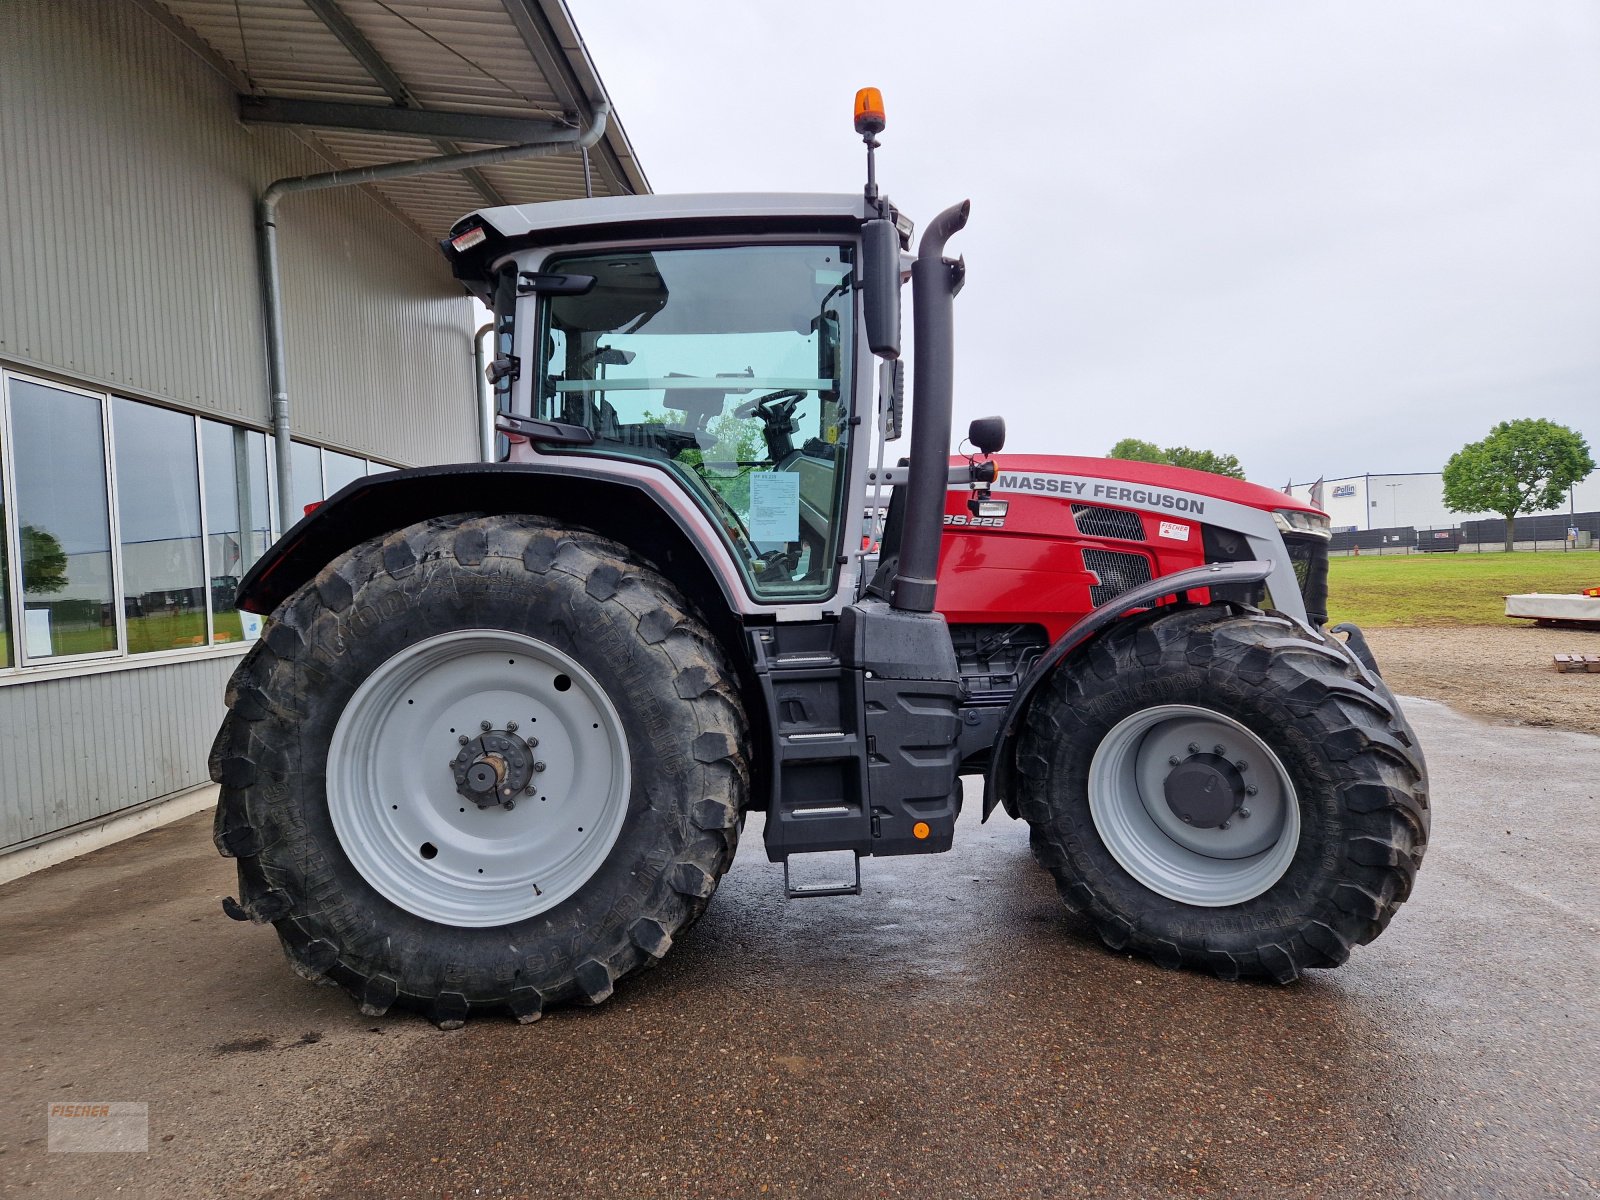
x=1194, y=805
x=1204, y=790
x=495, y=767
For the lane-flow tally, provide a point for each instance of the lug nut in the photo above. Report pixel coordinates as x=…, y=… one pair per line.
x=1220, y=750
x=1174, y=760
x=1244, y=813
x=532, y=742
x=463, y=739
x=1194, y=747
x=511, y=726
x=1224, y=825
x=1241, y=765
x=538, y=766
x=1251, y=790
x=485, y=726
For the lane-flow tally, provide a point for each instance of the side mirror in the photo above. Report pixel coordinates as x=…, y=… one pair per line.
x=988, y=434
x=891, y=394
x=880, y=271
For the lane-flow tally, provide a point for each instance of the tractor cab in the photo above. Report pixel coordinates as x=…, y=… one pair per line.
x=736, y=364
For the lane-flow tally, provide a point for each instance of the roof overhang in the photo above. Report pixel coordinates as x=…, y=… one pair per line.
x=367, y=82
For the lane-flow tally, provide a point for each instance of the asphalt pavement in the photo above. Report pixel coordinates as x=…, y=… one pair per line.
x=951, y=1032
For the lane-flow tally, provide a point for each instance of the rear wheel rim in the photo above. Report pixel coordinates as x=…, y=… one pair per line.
x=432, y=851
x=1212, y=866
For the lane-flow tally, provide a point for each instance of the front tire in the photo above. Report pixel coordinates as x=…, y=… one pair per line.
x=481, y=763
x=1139, y=757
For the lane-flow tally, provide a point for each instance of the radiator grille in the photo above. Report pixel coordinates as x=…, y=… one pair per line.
x=1117, y=572
x=1108, y=522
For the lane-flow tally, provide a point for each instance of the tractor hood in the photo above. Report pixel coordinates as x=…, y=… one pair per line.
x=1182, y=479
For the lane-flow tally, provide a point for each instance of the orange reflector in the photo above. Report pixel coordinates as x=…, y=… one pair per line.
x=920, y=830
x=869, y=111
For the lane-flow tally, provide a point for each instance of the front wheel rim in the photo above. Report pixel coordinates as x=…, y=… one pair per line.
x=1211, y=865
x=395, y=803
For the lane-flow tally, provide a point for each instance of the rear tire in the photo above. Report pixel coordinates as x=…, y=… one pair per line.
x=1342, y=815
x=341, y=802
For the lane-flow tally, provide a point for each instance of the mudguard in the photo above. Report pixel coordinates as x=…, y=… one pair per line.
x=632, y=502
x=997, y=781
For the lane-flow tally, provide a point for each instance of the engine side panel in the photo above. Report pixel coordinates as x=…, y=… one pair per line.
x=1040, y=566
x=1077, y=532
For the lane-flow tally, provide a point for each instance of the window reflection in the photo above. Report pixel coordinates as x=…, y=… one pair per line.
x=158, y=511
x=62, y=522
x=6, y=653
x=341, y=469
x=238, y=521
x=306, y=462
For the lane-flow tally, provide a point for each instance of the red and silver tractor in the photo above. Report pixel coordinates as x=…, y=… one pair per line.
x=500, y=737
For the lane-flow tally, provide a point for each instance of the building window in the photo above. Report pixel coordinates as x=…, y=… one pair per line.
x=6, y=652
x=340, y=469
x=306, y=462
x=158, y=519
x=238, y=516
x=62, y=525
x=125, y=528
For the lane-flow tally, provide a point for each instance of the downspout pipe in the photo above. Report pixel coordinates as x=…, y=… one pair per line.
x=577, y=139
x=485, y=396
x=935, y=280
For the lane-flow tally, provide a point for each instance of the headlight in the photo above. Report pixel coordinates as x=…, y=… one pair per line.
x=1294, y=520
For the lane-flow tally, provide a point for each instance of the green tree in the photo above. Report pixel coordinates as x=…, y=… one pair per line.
x=1138, y=450
x=1205, y=460
x=1522, y=466
x=44, y=562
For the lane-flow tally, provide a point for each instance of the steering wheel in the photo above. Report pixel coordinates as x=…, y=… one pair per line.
x=760, y=406
x=776, y=410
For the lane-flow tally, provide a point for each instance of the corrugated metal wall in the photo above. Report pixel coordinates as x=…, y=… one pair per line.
x=83, y=747
x=127, y=261
x=127, y=255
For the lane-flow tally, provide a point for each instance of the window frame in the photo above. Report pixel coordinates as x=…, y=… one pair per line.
x=26, y=668
x=21, y=659
x=530, y=328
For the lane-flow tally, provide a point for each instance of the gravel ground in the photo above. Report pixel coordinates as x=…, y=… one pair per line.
x=1501, y=673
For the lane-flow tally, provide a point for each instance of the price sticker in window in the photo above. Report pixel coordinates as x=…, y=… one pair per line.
x=775, y=507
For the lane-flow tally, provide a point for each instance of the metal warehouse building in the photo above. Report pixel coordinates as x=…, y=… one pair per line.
x=1362, y=502
x=139, y=472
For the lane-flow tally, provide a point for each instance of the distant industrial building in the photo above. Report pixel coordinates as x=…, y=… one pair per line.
x=1356, y=503
x=139, y=473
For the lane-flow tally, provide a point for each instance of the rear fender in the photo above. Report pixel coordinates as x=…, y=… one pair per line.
x=999, y=782
x=642, y=512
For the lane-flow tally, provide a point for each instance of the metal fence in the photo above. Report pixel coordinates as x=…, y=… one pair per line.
x=1558, y=532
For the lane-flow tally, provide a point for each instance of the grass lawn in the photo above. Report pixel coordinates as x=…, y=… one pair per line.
x=1449, y=589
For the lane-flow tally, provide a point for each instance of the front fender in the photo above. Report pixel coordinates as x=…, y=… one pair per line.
x=999, y=780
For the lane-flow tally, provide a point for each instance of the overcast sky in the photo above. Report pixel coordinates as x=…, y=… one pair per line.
x=1329, y=238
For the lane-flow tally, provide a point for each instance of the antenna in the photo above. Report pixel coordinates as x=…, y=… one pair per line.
x=870, y=122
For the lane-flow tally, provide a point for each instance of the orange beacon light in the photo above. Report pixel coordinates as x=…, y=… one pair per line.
x=869, y=111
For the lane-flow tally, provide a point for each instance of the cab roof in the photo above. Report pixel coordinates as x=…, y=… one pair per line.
x=481, y=238
x=519, y=220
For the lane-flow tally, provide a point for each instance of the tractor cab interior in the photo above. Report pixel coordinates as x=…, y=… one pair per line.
x=729, y=366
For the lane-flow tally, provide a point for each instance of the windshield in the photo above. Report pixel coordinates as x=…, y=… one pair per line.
x=729, y=366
